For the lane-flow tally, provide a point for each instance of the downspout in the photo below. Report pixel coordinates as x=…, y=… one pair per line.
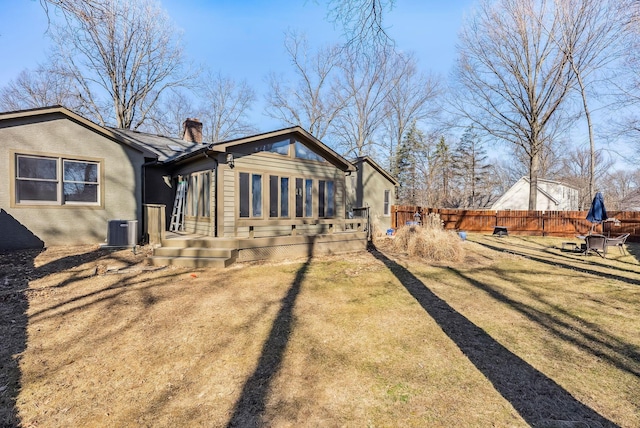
x=214, y=210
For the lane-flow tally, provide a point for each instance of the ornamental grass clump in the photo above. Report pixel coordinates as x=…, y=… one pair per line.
x=430, y=241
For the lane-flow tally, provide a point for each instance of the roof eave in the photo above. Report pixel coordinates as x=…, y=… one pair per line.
x=327, y=152
x=42, y=111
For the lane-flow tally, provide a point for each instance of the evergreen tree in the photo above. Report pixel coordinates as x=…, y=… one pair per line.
x=442, y=167
x=406, y=166
x=470, y=169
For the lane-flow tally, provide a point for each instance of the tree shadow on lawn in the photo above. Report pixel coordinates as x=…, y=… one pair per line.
x=250, y=407
x=17, y=270
x=634, y=249
x=585, y=335
x=536, y=397
x=13, y=328
x=565, y=263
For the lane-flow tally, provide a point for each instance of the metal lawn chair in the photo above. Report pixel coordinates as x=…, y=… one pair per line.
x=597, y=244
x=618, y=241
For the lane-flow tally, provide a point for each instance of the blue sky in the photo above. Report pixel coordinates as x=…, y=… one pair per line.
x=244, y=38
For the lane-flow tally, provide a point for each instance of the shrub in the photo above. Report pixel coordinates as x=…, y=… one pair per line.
x=431, y=242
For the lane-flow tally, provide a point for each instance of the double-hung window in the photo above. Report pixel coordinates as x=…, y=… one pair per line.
x=56, y=180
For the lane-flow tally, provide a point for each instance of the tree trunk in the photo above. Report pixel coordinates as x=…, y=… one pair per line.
x=592, y=147
x=533, y=181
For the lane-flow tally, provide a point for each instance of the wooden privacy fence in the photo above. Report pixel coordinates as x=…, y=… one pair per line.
x=543, y=223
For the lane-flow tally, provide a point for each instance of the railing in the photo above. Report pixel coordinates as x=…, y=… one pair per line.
x=544, y=223
x=155, y=224
x=332, y=224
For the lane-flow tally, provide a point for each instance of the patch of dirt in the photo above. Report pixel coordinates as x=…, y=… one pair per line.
x=33, y=264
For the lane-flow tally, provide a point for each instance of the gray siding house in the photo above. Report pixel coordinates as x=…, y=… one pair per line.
x=373, y=188
x=63, y=178
x=273, y=195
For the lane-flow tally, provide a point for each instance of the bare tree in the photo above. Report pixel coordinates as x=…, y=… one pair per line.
x=168, y=115
x=362, y=22
x=623, y=190
x=552, y=157
x=411, y=98
x=310, y=102
x=590, y=36
x=365, y=83
x=121, y=55
x=627, y=81
x=38, y=88
x=225, y=107
x=576, y=171
x=512, y=78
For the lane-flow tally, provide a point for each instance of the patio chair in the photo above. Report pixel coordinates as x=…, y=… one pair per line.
x=618, y=241
x=597, y=244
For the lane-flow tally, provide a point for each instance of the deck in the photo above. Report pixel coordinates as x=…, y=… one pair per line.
x=194, y=250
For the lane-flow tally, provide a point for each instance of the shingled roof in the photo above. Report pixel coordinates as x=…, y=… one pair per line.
x=166, y=148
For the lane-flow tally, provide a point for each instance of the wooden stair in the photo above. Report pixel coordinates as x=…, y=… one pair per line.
x=195, y=252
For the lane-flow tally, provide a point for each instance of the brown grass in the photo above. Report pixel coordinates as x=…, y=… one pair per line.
x=430, y=243
x=518, y=333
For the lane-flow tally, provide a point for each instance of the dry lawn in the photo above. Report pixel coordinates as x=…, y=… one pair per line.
x=518, y=333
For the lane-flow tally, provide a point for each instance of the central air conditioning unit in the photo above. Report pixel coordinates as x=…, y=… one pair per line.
x=122, y=233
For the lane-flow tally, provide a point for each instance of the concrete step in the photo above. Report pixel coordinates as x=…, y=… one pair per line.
x=195, y=252
x=193, y=262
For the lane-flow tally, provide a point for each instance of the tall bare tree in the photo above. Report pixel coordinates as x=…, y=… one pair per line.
x=364, y=86
x=623, y=190
x=411, y=98
x=121, y=55
x=576, y=171
x=512, y=79
x=590, y=35
x=310, y=101
x=38, y=88
x=168, y=115
x=225, y=107
x=362, y=22
x=628, y=79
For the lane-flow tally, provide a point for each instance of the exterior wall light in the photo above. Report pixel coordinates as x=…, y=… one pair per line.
x=230, y=160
